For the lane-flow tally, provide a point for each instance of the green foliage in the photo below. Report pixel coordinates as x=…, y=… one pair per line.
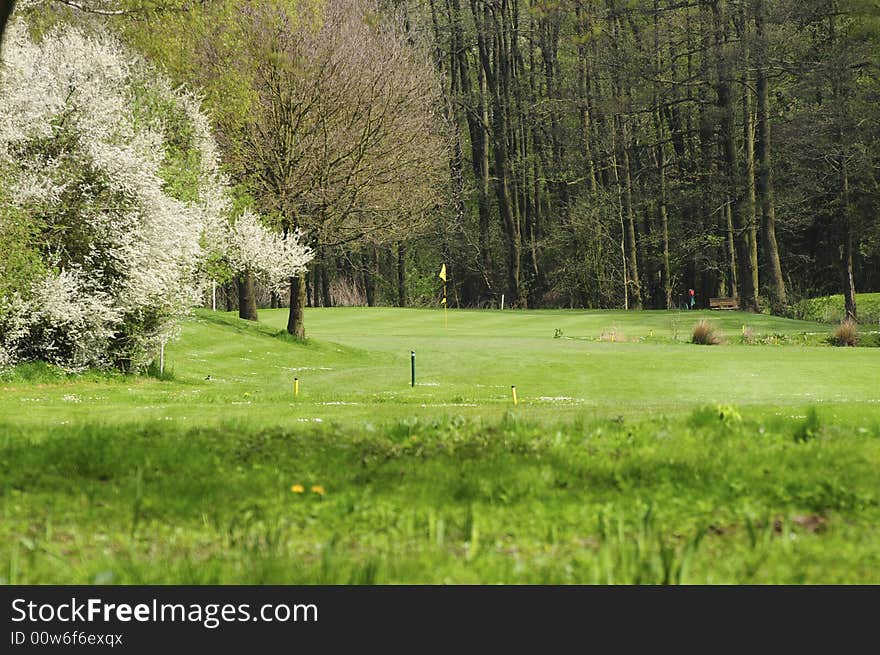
x=20, y=264
x=830, y=309
x=186, y=44
x=181, y=167
x=33, y=372
x=41, y=373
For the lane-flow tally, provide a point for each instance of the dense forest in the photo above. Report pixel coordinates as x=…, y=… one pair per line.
x=576, y=153
x=616, y=153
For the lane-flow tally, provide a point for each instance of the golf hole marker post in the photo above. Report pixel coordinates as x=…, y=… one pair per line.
x=513, y=392
x=295, y=386
x=412, y=367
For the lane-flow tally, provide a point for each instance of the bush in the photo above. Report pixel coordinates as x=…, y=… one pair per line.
x=831, y=309
x=846, y=333
x=706, y=334
x=99, y=258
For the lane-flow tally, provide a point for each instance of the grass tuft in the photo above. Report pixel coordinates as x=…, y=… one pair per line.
x=706, y=334
x=846, y=333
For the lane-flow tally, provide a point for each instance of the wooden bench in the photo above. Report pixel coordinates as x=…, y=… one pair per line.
x=723, y=303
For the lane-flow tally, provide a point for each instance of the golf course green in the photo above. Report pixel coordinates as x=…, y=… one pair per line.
x=631, y=454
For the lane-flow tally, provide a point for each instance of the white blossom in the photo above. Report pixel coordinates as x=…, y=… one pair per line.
x=75, y=156
x=82, y=153
x=251, y=247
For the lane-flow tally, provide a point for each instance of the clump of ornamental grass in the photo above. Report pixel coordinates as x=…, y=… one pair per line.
x=611, y=334
x=846, y=333
x=706, y=334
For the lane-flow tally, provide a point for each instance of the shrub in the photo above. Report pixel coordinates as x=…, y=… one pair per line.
x=706, y=334
x=110, y=263
x=846, y=333
x=112, y=207
x=831, y=309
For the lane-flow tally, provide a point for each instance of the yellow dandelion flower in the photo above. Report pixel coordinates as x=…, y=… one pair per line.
x=318, y=489
x=297, y=489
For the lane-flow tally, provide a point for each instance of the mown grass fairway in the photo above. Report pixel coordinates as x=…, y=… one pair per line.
x=642, y=459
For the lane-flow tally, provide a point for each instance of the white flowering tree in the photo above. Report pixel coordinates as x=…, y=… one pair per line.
x=251, y=251
x=111, y=202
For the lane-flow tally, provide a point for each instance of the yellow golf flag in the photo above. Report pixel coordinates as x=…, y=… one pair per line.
x=442, y=275
x=443, y=302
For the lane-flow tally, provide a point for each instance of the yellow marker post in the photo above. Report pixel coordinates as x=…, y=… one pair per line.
x=295, y=386
x=513, y=392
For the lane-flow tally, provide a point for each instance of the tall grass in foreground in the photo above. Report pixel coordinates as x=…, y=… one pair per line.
x=716, y=497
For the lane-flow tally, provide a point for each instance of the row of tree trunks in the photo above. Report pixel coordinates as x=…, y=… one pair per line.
x=676, y=155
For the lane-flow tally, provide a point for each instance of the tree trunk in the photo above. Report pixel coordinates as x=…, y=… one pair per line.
x=733, y=287
x=842, y=109
x=583, y=26
x=624, y=179
x=776, y=283
x=484, y=200
x=370, y=263
x=326, y=299
x=748, y=202
x=401, y=274
x=635, y=288
x=664, y=231
x=849, y=287
x=660, y=158
x=710, y=207
x=624, y=262
x=296, y=318
x=229, y=296
x=247, y=298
